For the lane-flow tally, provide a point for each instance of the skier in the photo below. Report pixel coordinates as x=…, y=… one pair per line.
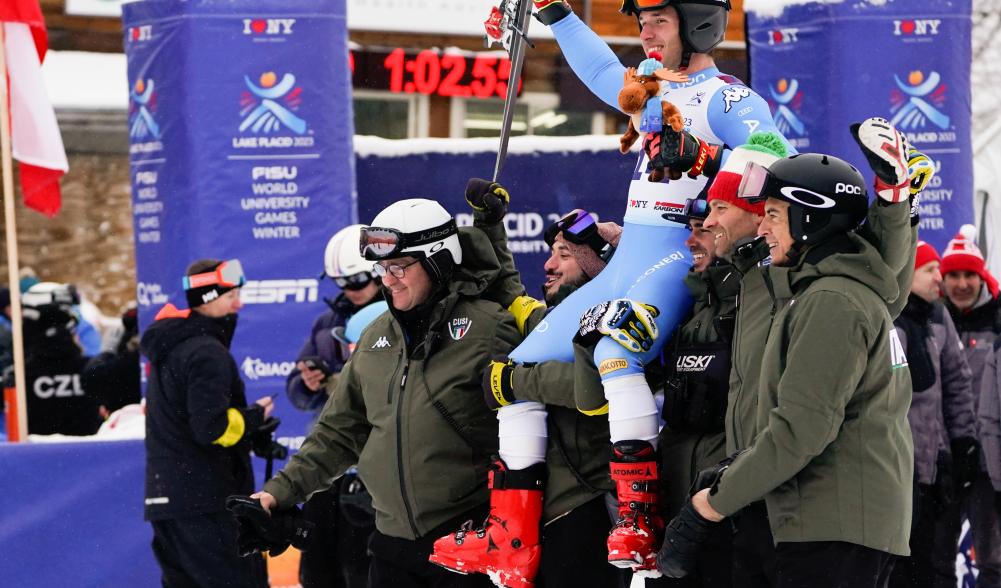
x=651, y=261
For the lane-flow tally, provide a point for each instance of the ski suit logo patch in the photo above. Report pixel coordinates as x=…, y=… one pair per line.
x=898, y=358
x=381, y=343
x=612, y=365
x=459, y=327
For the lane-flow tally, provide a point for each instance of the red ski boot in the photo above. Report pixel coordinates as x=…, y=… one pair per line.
x=506, y=546
x=636, y=536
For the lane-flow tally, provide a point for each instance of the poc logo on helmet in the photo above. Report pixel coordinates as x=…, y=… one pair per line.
x=843, y=188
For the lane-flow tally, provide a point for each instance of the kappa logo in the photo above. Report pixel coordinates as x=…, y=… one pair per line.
x=733, y=95
x=694, y=363
x=612, y=365
x=381, y=343
x=459, y=327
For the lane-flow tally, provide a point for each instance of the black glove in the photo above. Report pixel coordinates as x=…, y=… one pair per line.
x=551, y=11
x=498, y=383
x=253, y=418
x=260, y=531
x=945, y=486
x=683, y=538
x=709, y=477
x=489, y=200
x=965, y=462
x=681, y=151
x=263, y=444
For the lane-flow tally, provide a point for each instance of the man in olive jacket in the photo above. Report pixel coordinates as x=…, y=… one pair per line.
x=408, y=408
x=832, y=458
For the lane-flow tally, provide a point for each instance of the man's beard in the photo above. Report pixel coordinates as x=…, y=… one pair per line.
x=566, y=288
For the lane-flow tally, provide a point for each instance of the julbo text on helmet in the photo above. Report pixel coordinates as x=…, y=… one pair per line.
x=415, y=227
x=702, y=22
x=827, y=195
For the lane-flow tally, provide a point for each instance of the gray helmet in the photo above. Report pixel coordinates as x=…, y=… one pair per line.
x=703, y=22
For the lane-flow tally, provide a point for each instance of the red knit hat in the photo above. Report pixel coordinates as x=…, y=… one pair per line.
x=962, y=254
x=925, y=254
x=761, y=148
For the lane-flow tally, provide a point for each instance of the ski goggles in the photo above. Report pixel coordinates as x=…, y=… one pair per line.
x=757, y=183
x=635, y=6
x=695, y=208
x=579, y=228
x=354, y=281
x=384, y=243
x=229, y=274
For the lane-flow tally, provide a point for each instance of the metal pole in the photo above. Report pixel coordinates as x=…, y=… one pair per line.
x=21, y=434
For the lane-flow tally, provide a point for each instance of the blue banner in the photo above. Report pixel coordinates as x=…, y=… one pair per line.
x=825, y=66
x=240, y=132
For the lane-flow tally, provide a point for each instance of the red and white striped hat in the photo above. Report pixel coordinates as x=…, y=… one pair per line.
x=962, y=254
x=763, y=148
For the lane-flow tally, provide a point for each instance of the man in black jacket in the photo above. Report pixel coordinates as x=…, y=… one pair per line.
x=199, y=432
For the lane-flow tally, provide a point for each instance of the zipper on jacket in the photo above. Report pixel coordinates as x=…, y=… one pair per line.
x=399, y=450
x=392, y=382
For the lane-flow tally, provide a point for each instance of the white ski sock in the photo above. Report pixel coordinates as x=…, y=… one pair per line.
x=632, y=411
x=522, y=434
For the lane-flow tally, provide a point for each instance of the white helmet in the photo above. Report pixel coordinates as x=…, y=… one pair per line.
x=342, y=257
x=46, y=293
x=414, y=227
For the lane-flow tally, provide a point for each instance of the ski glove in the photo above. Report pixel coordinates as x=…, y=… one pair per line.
x=551, y=11
x=886, y=149
x=966, y=462
x=680, y=151
x=260, y=531
x=628, y=322
x=489, y=200
x=683, y=538
x=498, y=383
x=710, y=477
x=262, y=443
x=920, y=169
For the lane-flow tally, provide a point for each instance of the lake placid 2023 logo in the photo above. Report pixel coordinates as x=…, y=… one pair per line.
x=142, y=104
x=917, y=104
x=786, y=100
x=268, y=107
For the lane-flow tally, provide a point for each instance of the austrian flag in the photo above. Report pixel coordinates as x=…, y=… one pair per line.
x=36, y=142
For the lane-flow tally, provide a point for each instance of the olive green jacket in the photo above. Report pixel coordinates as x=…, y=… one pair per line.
x=578, y=448
x=833, y=457
x=888, y=229
x=414, y=422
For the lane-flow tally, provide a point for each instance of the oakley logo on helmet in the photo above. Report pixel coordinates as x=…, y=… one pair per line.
x=843, y=188
x=807, y=198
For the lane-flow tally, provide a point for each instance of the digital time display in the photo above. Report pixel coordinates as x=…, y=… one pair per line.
x=430, y=72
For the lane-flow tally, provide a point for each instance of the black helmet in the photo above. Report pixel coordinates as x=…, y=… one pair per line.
x=703, y=22
x=827, y=195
